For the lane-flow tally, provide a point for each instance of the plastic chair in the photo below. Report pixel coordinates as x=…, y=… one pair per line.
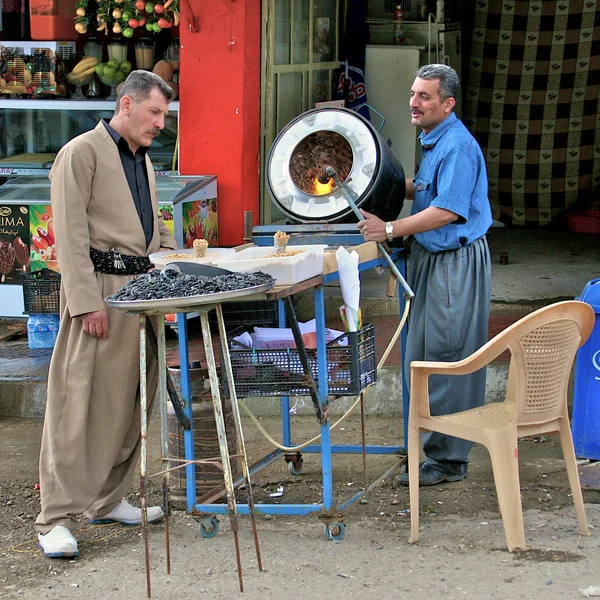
x=543, y=346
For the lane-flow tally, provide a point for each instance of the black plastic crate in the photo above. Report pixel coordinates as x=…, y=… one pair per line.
x=41, y=292
x=261, y=313
x=350, y=368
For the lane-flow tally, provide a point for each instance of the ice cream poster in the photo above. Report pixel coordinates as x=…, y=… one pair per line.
x=200, y=222
x=166, y=210
x=14, y=242
x=41, y=231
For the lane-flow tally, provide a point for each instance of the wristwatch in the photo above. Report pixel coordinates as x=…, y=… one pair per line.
x=389, y=230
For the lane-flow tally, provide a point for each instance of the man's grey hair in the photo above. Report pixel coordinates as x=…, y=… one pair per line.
x=449, y=82
x=139, y=85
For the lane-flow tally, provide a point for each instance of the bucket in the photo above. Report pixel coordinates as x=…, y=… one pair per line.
x=206, y=442
x=349, y=143
x=42, y=330
x=52, y=20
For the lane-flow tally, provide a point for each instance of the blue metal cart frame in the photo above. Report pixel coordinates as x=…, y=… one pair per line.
x=334, y=522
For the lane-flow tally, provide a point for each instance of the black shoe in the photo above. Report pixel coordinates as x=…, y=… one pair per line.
x=430, y=474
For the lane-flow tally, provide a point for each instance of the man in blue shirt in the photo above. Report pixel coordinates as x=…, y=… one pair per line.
x=449, y=269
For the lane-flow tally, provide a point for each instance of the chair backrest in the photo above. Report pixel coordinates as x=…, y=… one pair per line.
x=543, y=347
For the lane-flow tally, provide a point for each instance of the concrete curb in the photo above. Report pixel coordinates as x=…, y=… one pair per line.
x=26, y=398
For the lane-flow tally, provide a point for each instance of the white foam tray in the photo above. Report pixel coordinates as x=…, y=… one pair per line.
x=212, y=254
x=287, y=270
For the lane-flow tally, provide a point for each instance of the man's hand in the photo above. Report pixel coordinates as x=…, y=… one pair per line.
x=372, y=228
x=96, y=324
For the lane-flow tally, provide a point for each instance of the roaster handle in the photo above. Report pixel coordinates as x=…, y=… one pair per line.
x=378, y=114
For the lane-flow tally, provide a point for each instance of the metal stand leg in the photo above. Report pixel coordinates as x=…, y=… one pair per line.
x=226, y=366
x=144, y=447
x=162, y=395
x=222, y=436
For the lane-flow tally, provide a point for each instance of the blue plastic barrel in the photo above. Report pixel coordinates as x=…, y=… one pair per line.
x=42, y=330
x=586, y=399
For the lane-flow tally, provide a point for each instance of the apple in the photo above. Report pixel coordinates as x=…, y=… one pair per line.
x=125, y=67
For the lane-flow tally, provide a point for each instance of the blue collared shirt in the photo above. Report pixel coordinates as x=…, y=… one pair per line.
x=452, y=176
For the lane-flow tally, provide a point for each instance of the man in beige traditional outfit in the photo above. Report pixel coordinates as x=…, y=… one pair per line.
x=106, y=223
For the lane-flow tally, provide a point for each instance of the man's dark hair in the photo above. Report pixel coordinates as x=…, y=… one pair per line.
x=139, y=85
x=449, y=83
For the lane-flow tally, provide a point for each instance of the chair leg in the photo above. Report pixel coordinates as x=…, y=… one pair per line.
x=413, y=481
x=566, y=442
x=505, y=462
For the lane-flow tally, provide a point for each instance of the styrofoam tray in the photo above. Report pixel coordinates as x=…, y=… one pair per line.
x=287, y=270
x=212, y=254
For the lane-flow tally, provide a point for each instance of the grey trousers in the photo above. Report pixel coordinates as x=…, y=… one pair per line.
x=449, y=321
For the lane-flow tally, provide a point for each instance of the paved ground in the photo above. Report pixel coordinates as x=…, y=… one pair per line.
x=461, y=553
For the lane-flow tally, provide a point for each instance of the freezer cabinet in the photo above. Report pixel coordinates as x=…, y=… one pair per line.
x=188, y=205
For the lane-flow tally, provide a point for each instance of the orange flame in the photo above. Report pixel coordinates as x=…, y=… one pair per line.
x=320, y=189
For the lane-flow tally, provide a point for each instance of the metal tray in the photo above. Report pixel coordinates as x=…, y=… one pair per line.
x=172, y=304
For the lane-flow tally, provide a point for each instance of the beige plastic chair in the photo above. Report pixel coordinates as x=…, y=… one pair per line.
x=543, y=346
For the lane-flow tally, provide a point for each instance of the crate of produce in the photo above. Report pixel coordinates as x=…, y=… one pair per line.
x=350, y=368
x=41, y=292
x=34, y=69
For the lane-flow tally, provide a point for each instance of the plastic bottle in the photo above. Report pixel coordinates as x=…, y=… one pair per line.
x=42, y=330
x=398, y=24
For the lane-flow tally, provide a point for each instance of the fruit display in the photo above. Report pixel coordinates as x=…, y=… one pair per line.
x=82, y=72
x=165, y=71
x=124, y=16
x=33, y=74
x=113, y=72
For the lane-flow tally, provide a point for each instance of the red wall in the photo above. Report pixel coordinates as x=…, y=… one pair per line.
x=220, y=105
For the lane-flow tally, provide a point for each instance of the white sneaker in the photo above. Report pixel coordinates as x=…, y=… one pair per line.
x=129, y=515
x=58, y=543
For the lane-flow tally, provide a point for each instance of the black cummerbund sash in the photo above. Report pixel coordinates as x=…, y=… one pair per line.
x=115, y=263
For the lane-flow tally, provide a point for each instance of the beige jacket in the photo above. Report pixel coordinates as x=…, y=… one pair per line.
x=92, y=207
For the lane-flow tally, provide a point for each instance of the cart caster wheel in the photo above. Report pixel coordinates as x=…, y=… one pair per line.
x=293, y=469
x=209, y=527
x=335, y=533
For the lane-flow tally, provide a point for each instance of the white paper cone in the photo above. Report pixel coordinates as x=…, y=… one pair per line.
x=349, y=284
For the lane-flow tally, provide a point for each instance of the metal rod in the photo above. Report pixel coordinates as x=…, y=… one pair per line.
x=186, y=397
x=363, y=438
x=221, y=435
x=331, y=172
x=303, y=356
x=175, y=400
x=226, y=364
x=323, y=386
x=373, y=485
x=248, y=220
x=164, y=438
x=144, y=447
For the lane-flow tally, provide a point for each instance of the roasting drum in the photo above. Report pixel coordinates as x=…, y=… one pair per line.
x=343, y=139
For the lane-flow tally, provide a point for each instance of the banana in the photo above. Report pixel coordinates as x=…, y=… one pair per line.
x=88, y=72
x=84, y=64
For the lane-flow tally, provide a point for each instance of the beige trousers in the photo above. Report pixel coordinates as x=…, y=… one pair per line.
x=91, y=437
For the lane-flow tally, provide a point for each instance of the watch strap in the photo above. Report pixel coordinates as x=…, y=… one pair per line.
x=389, y=230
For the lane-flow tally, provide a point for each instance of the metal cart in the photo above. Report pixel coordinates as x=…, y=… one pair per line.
x=330, y=510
